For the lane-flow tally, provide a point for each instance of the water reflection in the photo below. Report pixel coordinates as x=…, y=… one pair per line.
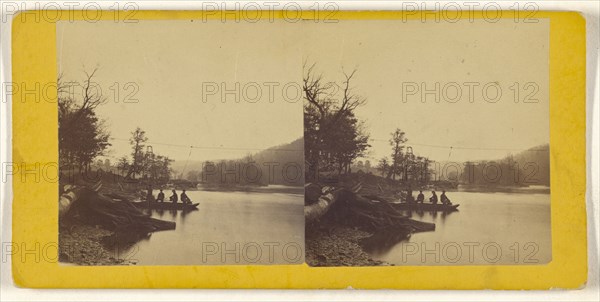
x=383, y=240
x=429, y=215
x=225, y=220
x=124, y=241
x=501, y=219
x=184, y=214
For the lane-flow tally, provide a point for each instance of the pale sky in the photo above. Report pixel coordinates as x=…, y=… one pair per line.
x=389, y=53
x=169, y=61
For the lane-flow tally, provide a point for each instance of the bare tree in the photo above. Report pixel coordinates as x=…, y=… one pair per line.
x=82, y=135
x=91, y=96
x=325, y=112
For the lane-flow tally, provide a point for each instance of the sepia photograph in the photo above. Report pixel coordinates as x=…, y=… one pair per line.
x=427, y=143
x=194, y=142
x=337, y=149
x=180, y=143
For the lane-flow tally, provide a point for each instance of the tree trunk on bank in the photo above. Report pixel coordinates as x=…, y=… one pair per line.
x=318, y=209
x=113, y=212
x=347, y=207
x=70, y=194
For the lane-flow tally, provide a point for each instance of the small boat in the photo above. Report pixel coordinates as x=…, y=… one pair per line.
x=167, y=206
x=427, y=207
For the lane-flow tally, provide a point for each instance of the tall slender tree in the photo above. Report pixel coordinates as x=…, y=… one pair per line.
x=397, y=142
x=137, y=141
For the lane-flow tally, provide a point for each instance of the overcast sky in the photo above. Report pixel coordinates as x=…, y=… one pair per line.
x=171, y=62
x=387, y=54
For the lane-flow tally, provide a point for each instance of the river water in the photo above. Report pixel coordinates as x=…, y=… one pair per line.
x=266, y=226
x=489, y=228
x=261, y=227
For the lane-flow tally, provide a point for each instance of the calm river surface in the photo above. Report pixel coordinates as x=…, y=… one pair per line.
x=262, y=227
x=489, y=228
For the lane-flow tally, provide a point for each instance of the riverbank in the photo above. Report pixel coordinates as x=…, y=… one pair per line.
x=504, y=189
x=254, y=189
x=337, y=246
x=96, y=219
x=84, y=245
x=349, y=215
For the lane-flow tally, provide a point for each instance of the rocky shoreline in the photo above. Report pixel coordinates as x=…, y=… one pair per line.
x=338, y=246
x=350, y=217
x=98, y=222
x=85, y=245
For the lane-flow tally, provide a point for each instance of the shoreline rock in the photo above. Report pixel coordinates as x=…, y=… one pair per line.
x=81, y=244
x=338, y=246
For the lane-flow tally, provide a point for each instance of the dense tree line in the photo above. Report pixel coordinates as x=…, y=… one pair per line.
x=530, y=167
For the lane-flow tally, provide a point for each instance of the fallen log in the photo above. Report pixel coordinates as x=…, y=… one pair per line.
x=312, y=192
x=318, y=209
x=347, y=207
x=93, y=208
x=70, y=194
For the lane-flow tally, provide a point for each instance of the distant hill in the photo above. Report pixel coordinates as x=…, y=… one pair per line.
x=178, y=165
x=273, y=152
x=534, y=164
x=525, y=168
x=282, y=164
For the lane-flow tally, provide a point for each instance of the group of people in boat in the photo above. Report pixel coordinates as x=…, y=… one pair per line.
x=433, y=199
x=174, y=198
